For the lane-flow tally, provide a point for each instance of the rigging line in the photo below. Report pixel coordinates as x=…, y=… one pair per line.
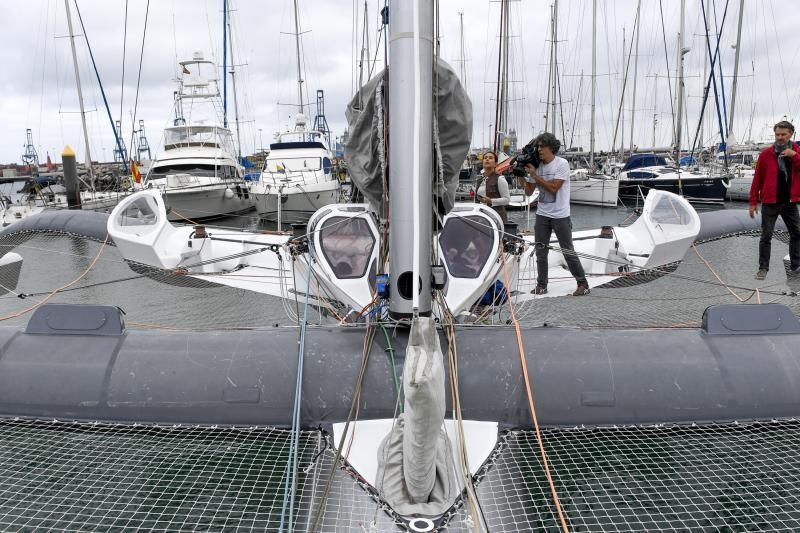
x=139, y=77
x=532, y=407
x=124, y=51
x=666, y=59
x=711, y=79
x=316, y=523
x=452, y=356
x=99, y=83
x=298, y=395
x=625, y=83
x=56, y=291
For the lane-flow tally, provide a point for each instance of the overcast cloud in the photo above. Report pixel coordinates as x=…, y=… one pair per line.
x=39, y=92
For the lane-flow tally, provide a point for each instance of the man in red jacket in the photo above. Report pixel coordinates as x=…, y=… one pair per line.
x=777, y=185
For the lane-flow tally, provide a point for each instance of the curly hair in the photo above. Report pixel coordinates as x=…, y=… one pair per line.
x=549, y=140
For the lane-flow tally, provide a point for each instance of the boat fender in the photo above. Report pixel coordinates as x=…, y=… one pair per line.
x=228, y=194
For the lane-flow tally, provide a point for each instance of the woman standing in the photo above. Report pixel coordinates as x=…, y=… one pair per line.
x=493, y=188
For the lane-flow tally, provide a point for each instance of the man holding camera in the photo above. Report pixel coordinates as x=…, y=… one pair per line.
x=776, y=184
x=552, y=213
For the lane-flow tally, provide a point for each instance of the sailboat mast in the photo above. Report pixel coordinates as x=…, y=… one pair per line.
x=681, y=53
x=594, y=85
x=233, y=84
x=554, y=66
x=635, y=70
x=80, y=92
x=410, y=156
x=224, y=63
x=503, y=127
x=622, y=101
x=297, y=49
x=463, y=66
x=736, y=67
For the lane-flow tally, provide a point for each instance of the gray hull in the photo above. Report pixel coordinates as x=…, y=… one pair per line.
x=744, y=364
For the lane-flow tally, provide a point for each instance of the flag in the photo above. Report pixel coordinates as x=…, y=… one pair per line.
x=137, y=176
x=50, y=165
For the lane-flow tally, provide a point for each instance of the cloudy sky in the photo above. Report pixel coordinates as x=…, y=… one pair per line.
x=39, y=90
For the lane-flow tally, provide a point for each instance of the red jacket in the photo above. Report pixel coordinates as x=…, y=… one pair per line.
x=765, y=180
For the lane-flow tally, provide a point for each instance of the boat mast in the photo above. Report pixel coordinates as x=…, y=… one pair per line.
x=554, y=66
x=635, y=70
x=233, y=83
x=681, y=52
x=703, y=81
x=80, y=92
x=297, y=49
x=410, y=156
x=594, y=85
x=503, y=103
x=736, y=70
x=463, y=60
x=621, y=102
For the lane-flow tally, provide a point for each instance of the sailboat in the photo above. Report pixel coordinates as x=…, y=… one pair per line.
x=325, y=428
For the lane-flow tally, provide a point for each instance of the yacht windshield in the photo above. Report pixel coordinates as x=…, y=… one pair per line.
x=295, y=164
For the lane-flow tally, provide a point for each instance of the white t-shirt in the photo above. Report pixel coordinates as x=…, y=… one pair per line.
x=554, y=205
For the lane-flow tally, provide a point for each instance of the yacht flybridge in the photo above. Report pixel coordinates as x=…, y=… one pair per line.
x=197, y=170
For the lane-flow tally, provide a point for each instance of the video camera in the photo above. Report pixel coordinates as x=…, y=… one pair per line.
x=528, y=154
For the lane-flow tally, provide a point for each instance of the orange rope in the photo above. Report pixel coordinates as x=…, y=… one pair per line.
x=56, y=291
x=531, y=405
x=703, y=259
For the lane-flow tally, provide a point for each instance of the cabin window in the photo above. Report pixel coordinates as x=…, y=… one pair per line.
x=670, y=211
x=347, y=246
x=141, y=212
x=294, y=164
x=466, y=244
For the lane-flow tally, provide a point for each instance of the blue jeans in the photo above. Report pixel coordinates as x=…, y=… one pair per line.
x=544, y=228
x=769, y=215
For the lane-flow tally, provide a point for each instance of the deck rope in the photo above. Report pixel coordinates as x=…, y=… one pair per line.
x=291, y=466
x=63, y=287
x=532, y=407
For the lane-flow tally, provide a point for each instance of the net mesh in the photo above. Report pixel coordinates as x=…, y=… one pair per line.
x=715, y=272
x=78, y=476
x=710, y=477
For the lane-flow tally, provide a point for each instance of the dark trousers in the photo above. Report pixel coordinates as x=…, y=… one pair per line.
x=544, y=228
x=791, y=217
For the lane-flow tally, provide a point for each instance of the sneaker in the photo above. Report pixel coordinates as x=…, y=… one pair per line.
x=582, y=290
x=540, y=289
x=793, y=272
x=761, y=274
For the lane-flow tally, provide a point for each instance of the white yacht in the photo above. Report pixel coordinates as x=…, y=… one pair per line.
x=593, y=189
x=197, y=170
x=297, y=178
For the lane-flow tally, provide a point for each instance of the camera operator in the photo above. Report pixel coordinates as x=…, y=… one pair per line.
x=552, y=213
x=493, y=188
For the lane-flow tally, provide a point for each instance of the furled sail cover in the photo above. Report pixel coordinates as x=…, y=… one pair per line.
x=365, y=148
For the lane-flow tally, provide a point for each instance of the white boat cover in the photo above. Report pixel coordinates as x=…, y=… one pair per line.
x=415, y=460
x=365, y=148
